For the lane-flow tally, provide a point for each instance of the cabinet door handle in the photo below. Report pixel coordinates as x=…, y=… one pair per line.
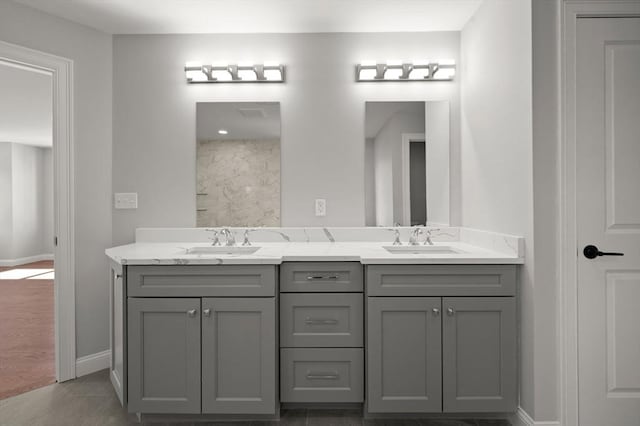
x=320, y=321
x=207, y=312
x=450, y=312
x=436, y=311
x=192, y=312
x=321, y=277
x=323, y=376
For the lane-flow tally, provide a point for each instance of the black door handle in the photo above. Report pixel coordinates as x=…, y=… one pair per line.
x=591, y=252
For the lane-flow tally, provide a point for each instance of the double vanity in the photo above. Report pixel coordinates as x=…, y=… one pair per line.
x=314, y=317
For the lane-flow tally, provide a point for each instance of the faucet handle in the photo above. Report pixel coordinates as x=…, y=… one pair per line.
x=246, y=241
x=215, y=241
x=396, y=241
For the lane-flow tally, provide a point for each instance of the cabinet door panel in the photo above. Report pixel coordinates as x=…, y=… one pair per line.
x=164, y=355
x=404, y=355
x=239, y=356
x=479, y=352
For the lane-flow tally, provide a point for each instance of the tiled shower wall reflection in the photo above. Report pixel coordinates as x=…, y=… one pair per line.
x=238, y=183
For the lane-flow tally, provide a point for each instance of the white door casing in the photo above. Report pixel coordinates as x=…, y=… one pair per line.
x=61, y=71
x=608, y=216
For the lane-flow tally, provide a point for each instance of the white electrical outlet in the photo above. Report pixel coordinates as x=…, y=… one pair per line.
x=126, y=200
x=321, y=207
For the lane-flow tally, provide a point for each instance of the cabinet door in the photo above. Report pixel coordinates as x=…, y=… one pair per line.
x=239, y=355
x=164, y=355
x=117, y=332
x=479, y=354
x=404, y=355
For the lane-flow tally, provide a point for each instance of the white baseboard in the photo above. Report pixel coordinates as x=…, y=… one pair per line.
x=23, y=260
x=92, y=363
x=522, y=418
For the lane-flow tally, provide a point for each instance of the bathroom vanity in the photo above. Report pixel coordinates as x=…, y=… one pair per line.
x=307, y=323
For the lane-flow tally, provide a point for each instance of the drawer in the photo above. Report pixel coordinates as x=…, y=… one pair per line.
x=439, y=280
x=321, y=375
x=321, y=276
x=201, y=280
x=321, y=320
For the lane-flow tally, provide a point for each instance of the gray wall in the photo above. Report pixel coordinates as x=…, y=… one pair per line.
x=6, y=207
x=322, y=112
x=91, y=52
x=496, y=144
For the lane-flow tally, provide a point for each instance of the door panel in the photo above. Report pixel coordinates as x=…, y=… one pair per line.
x=608, y=216
x=239, y=355
x=478, y=354
x=404, y=355
x=164, y=355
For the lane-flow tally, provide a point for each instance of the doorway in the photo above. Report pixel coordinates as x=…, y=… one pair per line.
x=60, y=72
x=601, y=214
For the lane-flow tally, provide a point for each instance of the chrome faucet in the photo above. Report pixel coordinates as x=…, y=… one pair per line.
x=229, y=236
x=215, y=241
x=415, y=235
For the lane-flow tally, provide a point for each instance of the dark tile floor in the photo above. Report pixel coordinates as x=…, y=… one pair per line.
x=90, y=401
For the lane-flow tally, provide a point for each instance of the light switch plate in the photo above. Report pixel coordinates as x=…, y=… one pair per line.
x=321, y=207
x=126, y=200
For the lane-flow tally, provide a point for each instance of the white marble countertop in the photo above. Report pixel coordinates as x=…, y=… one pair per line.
x=175, y=253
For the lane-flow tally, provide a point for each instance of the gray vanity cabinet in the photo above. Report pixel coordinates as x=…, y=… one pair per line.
x=478, y=346
x=404, y=350
x=238, y=355
x=441, y=338
x=117, y=330
x=164, y=355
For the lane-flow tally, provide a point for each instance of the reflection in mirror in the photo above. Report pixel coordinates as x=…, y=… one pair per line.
x=238, y=164
x=407, y=163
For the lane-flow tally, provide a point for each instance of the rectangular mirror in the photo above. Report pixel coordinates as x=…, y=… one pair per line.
x=407, y=163
x=238, y=164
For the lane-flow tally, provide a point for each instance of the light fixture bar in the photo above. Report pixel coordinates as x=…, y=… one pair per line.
x=430, y=71
x=258, y=73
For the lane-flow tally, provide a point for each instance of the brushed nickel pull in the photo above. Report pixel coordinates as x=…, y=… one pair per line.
x=450, y=312
x=321, y=277
x=320, y=321
x=323, y=376
x=207, y=312
x=191, y=312
x=436, y=311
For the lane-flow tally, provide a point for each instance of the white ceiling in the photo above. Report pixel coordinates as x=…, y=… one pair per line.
x=243, y=120
x=26, y=106
x=262, y=16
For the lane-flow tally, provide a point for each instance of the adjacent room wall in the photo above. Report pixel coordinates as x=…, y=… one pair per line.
x=6, y=210
x=322, y=117
x=497, y=164
x=91, y=52
x=437, y=130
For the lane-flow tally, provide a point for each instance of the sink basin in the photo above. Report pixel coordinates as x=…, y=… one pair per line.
x=421, y=250
x=222, y=250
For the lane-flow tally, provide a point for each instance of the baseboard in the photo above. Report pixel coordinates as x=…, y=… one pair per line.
x=522, y=418
x=92, y=363
x=23, y=260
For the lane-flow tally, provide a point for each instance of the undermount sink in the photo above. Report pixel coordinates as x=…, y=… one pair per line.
x=222, y=250
x=421, y=250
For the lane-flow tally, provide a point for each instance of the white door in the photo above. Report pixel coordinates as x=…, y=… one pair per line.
x=608, y=216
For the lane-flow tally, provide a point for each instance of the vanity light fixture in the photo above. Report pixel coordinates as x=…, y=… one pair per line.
x=442, y=70
x=240, y=73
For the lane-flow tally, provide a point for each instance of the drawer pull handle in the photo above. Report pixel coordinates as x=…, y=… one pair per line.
x=191, y=312
x=321, y=277
x=323, y=376
x=207, y=312
x=320, y=321
x=450, y=312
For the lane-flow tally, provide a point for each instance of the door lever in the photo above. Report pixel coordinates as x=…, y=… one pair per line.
x=591, y=252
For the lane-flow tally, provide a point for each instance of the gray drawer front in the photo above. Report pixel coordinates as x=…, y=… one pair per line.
x=321, y=320
x=322, y=375
x=438, y=280
x=321, y=277
x=201, y=280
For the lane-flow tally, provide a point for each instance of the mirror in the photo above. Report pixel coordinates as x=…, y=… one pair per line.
x=238, y=164
x=407, y=163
